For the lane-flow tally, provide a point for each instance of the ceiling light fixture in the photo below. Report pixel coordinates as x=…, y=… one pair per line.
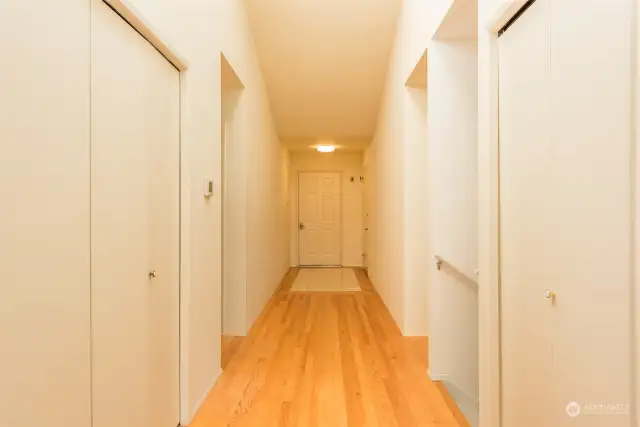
x=326, y=148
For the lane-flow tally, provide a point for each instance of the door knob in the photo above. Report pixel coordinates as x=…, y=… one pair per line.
x=301, y=226
x=438, y=261
x=152, y=274
x=549, y=294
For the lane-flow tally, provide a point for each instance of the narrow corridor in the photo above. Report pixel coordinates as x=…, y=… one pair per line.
x=327, y=359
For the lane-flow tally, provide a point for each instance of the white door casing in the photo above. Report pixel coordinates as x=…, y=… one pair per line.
x=319, y=219
x=135, y=271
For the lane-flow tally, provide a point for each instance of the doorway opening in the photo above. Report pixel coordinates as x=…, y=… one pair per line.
x=233, y=188
x=416, y=238
x=453, y=194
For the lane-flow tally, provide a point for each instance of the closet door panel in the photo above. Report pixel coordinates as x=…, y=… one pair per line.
x=120, y=224
x=135, y=124
x=590, y=195
x=44, y=214
x=524, y=145
x=163, y=104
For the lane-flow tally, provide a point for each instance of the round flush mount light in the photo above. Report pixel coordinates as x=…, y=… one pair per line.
x=326, y=148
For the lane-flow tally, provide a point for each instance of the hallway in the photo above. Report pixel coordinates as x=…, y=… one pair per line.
x=322, y=213
x=327, y=359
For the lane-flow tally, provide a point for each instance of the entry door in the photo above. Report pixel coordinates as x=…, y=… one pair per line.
x=565, y=196
x=134, y=208
x=319, y=219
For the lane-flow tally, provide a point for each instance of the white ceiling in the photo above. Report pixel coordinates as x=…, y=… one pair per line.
x=324, y=62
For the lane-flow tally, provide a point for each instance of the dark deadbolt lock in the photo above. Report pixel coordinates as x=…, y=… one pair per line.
x=301, y=226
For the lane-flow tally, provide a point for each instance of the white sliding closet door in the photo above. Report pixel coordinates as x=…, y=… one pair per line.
x=44, y=214
x=135, y=151
x=565, y=194
x=524, y=146
x=590, y=170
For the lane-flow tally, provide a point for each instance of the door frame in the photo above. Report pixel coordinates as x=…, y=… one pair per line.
x=297, y=211
x=127, y=11
x=491, y=19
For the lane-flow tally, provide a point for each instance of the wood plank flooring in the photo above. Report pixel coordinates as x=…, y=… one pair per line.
x=230, y=345
x=326, y=360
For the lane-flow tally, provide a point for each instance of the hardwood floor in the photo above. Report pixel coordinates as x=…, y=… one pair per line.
x=230, y=346
x=453, y=406
x=326, y=360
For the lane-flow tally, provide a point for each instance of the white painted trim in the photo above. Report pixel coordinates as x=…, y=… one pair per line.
x=129, y=13
x=635, y=186
x=185, y=252
x=463, y=399
x=437, y=377
x=459, y=394
x=467, y=404
x=203, y=398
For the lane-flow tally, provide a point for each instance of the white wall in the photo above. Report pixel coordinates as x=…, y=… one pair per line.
x=200, y=31
x=453, y=303
x=45, y=214
x=396, y=167
x=349, y=165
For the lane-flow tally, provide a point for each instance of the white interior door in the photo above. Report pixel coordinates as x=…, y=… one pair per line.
x=524, y=147
x=135, y=143
x=319, y=218
x=566, y=215
x=44, y=214
x=591, y=178
x=163, y=146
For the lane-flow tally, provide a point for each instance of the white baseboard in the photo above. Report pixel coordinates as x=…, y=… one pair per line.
x=437, y=377
x=201, y=401
x=468, y=404
x=330, y=266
